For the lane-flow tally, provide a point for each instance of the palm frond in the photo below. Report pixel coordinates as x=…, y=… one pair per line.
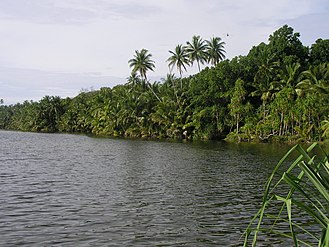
x=308, y=192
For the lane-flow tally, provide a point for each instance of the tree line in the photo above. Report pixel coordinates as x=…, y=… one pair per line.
x=277, y=92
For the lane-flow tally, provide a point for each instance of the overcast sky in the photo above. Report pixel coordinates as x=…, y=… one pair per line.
x=58, y=47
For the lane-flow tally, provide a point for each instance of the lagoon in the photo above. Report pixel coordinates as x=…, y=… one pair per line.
x=74, y=190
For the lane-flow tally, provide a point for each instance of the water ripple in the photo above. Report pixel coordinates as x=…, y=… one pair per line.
x=66, y=190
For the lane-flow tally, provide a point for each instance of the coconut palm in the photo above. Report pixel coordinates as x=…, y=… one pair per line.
x=315, y=79
x=142, y=62
x=178, y=58
x=197, y=51
x=215, y=50
x=288, y=77
x=134, y=80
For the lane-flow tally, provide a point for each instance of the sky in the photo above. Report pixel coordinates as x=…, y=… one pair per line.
x=62, y=47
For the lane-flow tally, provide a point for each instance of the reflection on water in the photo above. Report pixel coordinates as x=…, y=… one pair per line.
x=67, y=190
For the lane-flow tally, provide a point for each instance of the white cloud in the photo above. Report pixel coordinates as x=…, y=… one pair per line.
x=73, y=37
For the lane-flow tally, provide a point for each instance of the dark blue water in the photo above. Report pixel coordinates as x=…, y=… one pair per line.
x=68, y=190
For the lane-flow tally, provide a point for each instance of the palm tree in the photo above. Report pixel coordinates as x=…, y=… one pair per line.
x=197, y=51
x=263, y=79
x=180, y=58
x=288, y=77
x=133, y=80
x=315, y=79
x=215, y=50
x=142, y=62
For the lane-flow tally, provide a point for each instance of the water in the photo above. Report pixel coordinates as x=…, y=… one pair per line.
x=68, y=190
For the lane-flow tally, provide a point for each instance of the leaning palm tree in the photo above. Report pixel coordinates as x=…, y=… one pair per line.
x=215, y=50
x=141, y=63
x=197, y=50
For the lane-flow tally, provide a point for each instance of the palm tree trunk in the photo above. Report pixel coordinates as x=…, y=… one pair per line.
x=175, y=90
x=154, y=92
x=151, y=88
x=181, y=78
x=198, y=65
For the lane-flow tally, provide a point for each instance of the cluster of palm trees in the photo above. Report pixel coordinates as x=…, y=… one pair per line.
x=198, y=50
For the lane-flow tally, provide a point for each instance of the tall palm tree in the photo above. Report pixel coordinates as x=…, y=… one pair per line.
x=197, y=50
x=180, y=58
x=142, y=62
x=215, y=50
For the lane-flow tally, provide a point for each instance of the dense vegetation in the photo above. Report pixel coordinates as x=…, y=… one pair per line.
x=278, y=92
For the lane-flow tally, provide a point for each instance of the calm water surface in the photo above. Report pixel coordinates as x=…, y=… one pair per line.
x=68, y=190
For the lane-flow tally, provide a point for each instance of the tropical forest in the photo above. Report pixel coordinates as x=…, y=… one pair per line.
x=278, y=92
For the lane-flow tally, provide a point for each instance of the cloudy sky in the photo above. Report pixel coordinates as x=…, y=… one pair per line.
x=59, y=47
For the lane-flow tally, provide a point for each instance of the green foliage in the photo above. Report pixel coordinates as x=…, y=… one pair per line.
x=77, y=115
x=48, y=113
x=215, y=50
x=302, y=187
x=179, y=58
x=197, y=50
x=320, y=51
x=285, y=46
x=325, y=128
x=6, y=114
x=202, y=51
x=142, y=62
x=237, y=108
x=275, y=93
